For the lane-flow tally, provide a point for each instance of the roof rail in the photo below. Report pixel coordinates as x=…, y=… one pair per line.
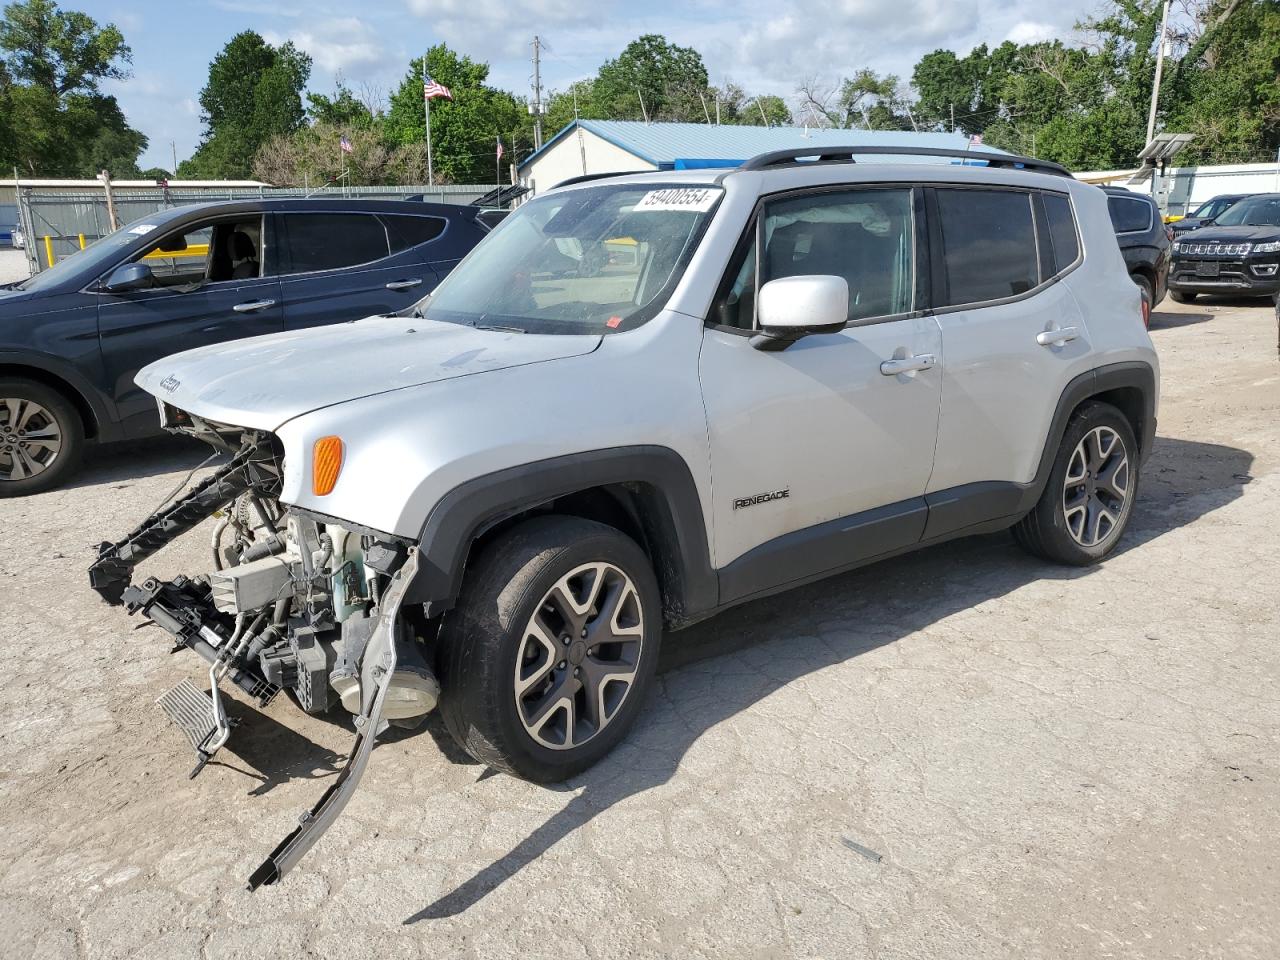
x=778, y=158
x=588, y=177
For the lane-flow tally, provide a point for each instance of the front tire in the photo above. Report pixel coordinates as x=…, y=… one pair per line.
x=1180, y=296
x=41, y=437
x=1088, y=500
x=548, y=655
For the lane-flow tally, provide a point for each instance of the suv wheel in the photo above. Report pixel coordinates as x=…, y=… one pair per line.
x=547, y=657
x=1181, y=297
x=41, y=437
x=1088, y=499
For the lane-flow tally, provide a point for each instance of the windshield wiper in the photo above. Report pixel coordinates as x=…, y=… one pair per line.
x=499, y=327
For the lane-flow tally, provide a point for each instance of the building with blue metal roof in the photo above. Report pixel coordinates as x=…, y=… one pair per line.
x=618, y=146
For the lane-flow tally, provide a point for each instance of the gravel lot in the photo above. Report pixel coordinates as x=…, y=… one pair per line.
x=962, y=753
x=13, y=265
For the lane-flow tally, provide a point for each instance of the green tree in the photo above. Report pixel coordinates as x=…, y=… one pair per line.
x=254, y=93
x=464, y=130
x=54, y=119
x=343, y=109
x=668, y=77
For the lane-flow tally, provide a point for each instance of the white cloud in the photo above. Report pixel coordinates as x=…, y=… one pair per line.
x=1029, y=31
x=335, y=44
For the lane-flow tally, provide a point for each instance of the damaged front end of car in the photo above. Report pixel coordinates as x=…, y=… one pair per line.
x=293, y=601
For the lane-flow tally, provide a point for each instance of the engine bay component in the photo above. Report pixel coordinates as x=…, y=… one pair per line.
x=251, y=586
x=252, y=467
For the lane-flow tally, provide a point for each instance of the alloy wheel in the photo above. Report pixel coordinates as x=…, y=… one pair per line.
x=30, y=438
x=1095, y=492
x=577, y=658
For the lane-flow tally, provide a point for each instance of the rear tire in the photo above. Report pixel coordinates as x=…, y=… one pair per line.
x=1180, y=296
x=1088, y=499
x=41, y=437
x=546, y=659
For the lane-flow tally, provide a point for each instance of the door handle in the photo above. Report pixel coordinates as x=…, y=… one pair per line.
x=1057, y=337
x=404, y=284
x=921, y=361
x=253, y=305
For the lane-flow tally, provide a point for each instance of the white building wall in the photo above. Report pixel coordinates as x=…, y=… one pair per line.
x=566, y=159
x=1188, y=187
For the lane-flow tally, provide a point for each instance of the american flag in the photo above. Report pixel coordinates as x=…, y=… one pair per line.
x=344, y=145
x=431, y=89
x=499, y=148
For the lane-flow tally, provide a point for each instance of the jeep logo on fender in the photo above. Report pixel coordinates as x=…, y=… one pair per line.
x=170, y=383
x=762, y=498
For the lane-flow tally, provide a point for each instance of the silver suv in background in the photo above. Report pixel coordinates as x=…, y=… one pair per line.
x=641, y=400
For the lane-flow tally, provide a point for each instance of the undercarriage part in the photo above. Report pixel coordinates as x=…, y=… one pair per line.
x=377, y=669
x=252, y=467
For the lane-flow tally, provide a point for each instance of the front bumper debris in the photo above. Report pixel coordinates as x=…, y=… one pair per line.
x=378, y=665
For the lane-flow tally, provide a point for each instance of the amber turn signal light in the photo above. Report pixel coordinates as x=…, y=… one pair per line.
x=326, y=464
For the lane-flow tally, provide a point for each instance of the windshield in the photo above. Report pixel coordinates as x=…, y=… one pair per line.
x=97, y=256
x=594, y=260
x=1255, y=212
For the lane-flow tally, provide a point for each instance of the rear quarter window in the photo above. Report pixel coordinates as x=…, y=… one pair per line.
x=406, y=232
x=1130, y=215
x=1063, y=237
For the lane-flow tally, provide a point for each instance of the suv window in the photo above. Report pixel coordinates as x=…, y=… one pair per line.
x=210, y=251
x=988, y=245
x=406, y=232
x=1130, y=215
x=329, y=241
x=865, y=236
x=1062, y=230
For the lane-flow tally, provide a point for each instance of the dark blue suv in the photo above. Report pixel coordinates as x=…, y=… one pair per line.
x=72, y=337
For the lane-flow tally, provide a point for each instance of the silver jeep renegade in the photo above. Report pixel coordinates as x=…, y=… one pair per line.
x=643, y=399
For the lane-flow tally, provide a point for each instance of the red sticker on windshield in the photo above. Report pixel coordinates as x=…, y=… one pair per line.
x=613, y=323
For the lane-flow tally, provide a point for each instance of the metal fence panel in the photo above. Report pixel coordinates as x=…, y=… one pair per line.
x=58, y=223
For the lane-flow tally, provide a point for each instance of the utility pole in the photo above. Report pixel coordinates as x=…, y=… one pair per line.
x=705, y=112
x=953, y=118
x=1155, y=87
x=537, y=93
x=174, y=147
x=760, y=107
x=643, y=112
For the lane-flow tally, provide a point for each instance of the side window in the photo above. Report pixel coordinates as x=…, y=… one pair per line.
x=988, y=245
x=1129, y=216
x=407, y=232
x=208, y=252
x=180, y=258
x=865, y=236
x=329, y=241
x=1062, y=230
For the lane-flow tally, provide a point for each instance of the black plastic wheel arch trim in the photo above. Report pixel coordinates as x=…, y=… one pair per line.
x=677, y=536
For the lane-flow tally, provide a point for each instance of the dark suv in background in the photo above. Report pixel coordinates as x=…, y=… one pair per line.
x=1206, y=213
x=73, y=337
x=1144, y=240
x=1238, y=254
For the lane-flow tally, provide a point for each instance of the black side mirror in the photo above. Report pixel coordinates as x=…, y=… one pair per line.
x=129, y=276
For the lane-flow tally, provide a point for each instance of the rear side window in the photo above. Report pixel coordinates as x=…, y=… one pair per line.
x=406, y=232
x=329, y=241
x=1129, y=215
x=988, y=245
x=1062, y=230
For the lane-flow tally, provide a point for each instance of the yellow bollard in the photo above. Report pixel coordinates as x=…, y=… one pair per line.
x=81, y=236
x=48, y=248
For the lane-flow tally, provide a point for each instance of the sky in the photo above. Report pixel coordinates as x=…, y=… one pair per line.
x=767, y=46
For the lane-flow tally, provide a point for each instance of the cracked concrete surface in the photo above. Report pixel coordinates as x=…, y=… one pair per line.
x=1050, y=762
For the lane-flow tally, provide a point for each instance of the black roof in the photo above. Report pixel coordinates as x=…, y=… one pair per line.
x=331, y=205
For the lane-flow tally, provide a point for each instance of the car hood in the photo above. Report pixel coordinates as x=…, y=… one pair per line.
x=1231, y=235
x=265, y=381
